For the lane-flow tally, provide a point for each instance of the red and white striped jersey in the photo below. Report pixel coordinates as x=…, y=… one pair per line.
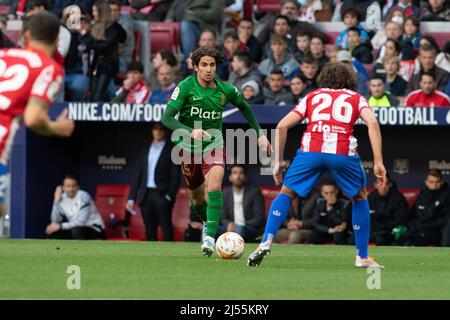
x=24, y=73
x=331, y=117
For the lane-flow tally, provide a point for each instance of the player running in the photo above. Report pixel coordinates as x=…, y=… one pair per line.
x=29, y=81
x=200, y=100
x=327, y=145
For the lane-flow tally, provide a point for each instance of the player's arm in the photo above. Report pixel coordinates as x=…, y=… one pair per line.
x=371, y=121
x=36, y=118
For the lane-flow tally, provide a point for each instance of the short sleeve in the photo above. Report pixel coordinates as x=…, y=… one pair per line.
x=300, y=108
x=362, y=103
x=47, y=84
x=178, y=98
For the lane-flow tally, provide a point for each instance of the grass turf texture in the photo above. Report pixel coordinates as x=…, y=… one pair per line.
x=36, y=269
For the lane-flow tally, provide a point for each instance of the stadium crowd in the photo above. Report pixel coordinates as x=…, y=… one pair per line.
x=274, y=59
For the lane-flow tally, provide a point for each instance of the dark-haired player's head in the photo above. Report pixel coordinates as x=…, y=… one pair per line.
x=376, y=87
x=434, y=179
x=41, y=31
x=337, y=76
x=205, y=61
x=276, y=79
x=241, y=62
x=354, y=36
x=427, y=83
x=309, y=67
x=238, y=175
x=70, y=185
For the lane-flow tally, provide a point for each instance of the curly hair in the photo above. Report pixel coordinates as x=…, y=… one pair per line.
x=336, y=75
x=205, y=51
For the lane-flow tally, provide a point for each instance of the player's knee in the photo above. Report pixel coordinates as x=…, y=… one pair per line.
x=212, y=187
x=362, y=195
x=290, y=193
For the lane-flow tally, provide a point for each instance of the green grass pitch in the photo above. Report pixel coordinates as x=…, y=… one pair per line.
x=37, y=269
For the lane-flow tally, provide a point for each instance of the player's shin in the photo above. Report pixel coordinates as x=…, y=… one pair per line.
x=361, y=227
x=200, y=209
x=213, y=212
x=277, y=214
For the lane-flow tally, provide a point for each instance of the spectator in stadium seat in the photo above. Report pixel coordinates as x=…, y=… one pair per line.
x=360, y=50
x=291, y=9
x=281, y=28
x=194, y=17
x=309, y=68
x=163, y=57
x=411, y=31
x=388, y=210
x=378, y=96
x=74, y=214
x=298, y=86
x=408, y=8
x=155, y=185
x=395, y=31
x=252, y=92
x=125, y=49
x=331, y=216
x=303, y=41
x=429, y=216
x=279, y=58
x=243, y=206
x=166, y=79
x=248, y=41
x=150, y=10
x=427, y=57
x=393, y=83
x=332, y=53
x=317, y=50
x=393, y=48
x=103, y=40
x=351, y=18
x=59, y=5
x=134, y=89
x=275, y=93
x=428, y=95
x=442, y=59
x=436, y=10
x=76, y=79
x=361, y=81
x=230, y=47
x=243, y=71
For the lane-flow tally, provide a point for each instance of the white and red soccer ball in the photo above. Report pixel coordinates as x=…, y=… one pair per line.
x=230, y=245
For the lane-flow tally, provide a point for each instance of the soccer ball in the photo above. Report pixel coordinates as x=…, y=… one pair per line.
x=230, y=245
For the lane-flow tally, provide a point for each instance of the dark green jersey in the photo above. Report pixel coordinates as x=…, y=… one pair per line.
x=205, y=106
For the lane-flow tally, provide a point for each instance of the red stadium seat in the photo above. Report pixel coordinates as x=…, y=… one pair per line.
x=248, y=9
x=110, y=201
x=410, y=195
x=181, y=214
x=164, y=36
x=137, y=227
x=440, y=37
x=269, y=194
x=137, y=45
x=4, y=9
x=268, y=5
x=332, y=36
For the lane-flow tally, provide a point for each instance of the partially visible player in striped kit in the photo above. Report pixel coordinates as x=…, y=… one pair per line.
x=328, y=144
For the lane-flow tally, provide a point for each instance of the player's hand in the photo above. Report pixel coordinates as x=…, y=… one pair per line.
x=231, y=227
x=198, y=134
x=64, y=126
x=265, y=145
x=278, y=172
x=380, y=172
x=52, y=227
x=58, y=194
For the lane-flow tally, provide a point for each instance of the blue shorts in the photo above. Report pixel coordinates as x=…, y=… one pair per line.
x=307, y=167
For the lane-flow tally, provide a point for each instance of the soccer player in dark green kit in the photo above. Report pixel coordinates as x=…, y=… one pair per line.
x=200, y=100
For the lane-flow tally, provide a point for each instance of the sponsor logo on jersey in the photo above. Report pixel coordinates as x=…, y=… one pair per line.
x=205, y=114
x=175, y=93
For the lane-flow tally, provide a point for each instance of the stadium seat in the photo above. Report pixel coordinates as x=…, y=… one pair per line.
x=332, y=36
x=440, y=37
x=164, y=36
x=268, y=5
x=269, y=194
x=248, y=9
x=410, y=195
x=136, y=228
x=181, y=214
x=4, y=9
x=13, y=35
x=137, y=45
x=110, y=201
